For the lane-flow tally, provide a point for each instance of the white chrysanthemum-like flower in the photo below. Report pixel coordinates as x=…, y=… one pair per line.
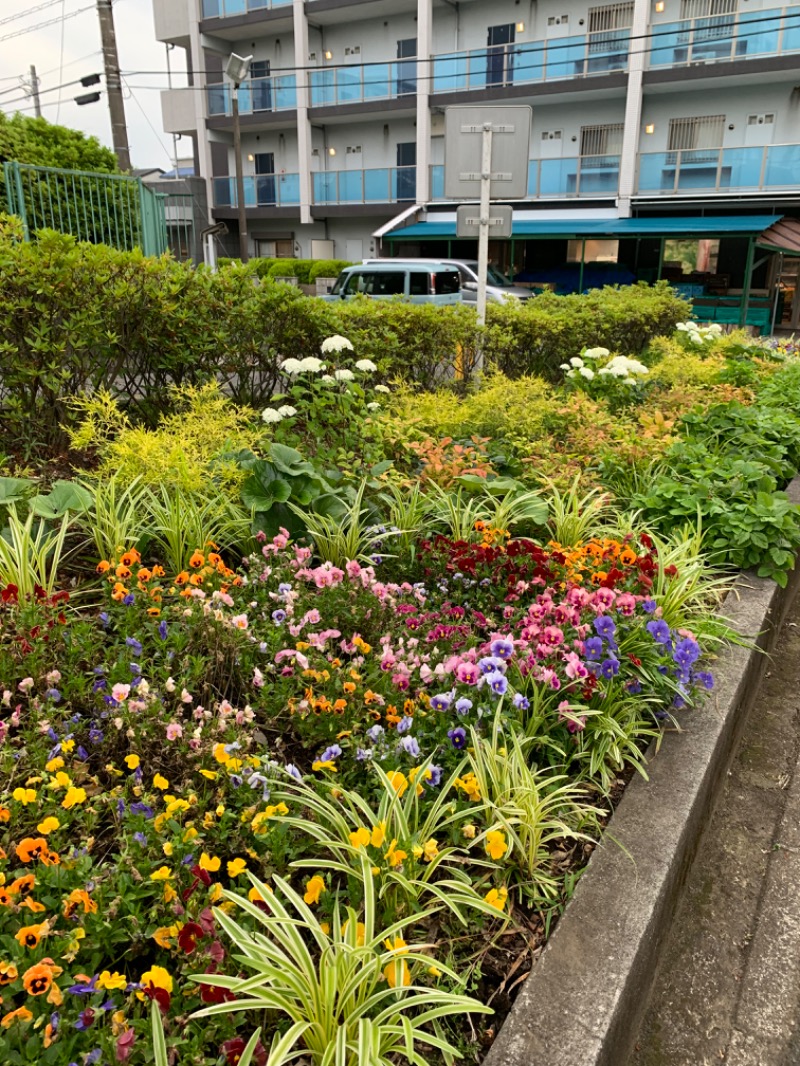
x=327, y=379
x=564, y=366
x=287, y=411
x=291, y=366
x=270, y=415
x=596, y=353
x=311, y=365
x=344, y=375
x=373, y=406
x=336, y=344
x=383, y=388
x=366, y=365
x=586, y=372
x=576, y=361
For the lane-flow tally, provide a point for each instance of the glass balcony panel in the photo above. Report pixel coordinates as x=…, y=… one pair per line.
x=755, y=36
x=437, y=183
x=285, y=92
x=377, y=185
x=653, y=176
x=224, y=192
x=450, y=72
x=378, y=81
x=599, y=175
x=609, y=53
x=566, y=57
x=260, y=92
x=558, y=177
x=218, y=99
x=323, y=88
x=348, y=85
x=529, y=63
x=783, y=165
x=668, y=44
x=741, y=168
x=245, y=99
x=288, y=189
x=324, y=187
x=404, y=183
x=790, y=42
x=351, y=187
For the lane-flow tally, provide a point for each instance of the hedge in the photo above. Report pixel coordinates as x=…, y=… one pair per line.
x=79, y=317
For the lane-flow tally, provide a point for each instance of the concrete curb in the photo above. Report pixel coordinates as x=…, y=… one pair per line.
x=584, y=999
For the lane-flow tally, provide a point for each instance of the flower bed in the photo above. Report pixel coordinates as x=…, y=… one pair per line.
x=328, y=779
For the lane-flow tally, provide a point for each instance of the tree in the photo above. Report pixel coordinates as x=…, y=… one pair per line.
x=42, y=143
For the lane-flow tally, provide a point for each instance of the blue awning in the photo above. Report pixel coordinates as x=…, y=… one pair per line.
x=577, y=229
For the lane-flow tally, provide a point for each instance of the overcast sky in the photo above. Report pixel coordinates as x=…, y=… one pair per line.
x=81, y=55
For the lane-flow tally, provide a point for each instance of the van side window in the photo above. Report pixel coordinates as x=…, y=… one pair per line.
x=418, y=284
x=447, y=282
x=389, y=283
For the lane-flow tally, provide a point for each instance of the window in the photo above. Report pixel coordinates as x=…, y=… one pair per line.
x=601, y=140
x=609, y=34
x=418, y=284
x=551, y=135
x=446, y=282
x=601, y=251
x=698, y=133
x=760, y=120
x=697, y=9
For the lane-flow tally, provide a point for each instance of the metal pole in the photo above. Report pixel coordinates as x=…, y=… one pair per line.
x=748, y=277
x=37, y=107
x=580, y=274
x=777, y=295
x=483, y=232
x=237, y=156
x=116, y=104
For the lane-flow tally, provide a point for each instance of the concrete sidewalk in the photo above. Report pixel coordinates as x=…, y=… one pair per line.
x=728, y=989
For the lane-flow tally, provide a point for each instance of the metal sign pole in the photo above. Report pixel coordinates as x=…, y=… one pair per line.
x=483, y=232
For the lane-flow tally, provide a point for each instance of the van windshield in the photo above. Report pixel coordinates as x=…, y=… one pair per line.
x=494, y=277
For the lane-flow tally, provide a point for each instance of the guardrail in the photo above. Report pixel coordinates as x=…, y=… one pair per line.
x=758, y=168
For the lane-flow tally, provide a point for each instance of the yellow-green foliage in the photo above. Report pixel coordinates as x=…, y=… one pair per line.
x=500, y=408
x=187, y=448
x=677, y=366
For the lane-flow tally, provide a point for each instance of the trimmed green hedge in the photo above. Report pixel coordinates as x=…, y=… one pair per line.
x=80, y=317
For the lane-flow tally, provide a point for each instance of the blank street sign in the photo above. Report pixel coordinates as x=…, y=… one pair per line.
x=463, y=133
x=468, y=217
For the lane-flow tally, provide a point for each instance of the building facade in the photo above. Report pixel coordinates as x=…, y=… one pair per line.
x=641, y=107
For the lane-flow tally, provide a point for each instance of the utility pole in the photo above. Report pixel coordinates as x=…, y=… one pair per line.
x=37, y=107
x=116, y=103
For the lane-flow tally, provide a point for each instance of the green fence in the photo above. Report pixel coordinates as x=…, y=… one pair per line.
x=108, y=209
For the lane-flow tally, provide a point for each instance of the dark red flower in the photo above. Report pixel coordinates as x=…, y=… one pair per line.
x=234, y=1049
x=188, y=936
x=10, y=594
x=160, y=995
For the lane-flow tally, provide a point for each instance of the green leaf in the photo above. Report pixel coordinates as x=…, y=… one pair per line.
x=64, y=497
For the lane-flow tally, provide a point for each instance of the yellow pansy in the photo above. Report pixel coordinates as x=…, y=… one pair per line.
x=398, y=781
x=208, y=862
x=132, y=762
x=24, y=795
x=430, y=850
x=236, y=866
x=315, y=886
x=49, y=825
x=496, y=897
x=495, y=844
x=167, y=848
x=394, y=856
x=360, y=838
x=398, y=967
x=212, y=775
x=73, y=797
x=160, y=782
x=54, y=764
x=110, y=981
x=378, y=835
x=163, y=873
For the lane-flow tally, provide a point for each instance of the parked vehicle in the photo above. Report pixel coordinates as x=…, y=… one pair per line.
x=499, y=289
x=429, y=282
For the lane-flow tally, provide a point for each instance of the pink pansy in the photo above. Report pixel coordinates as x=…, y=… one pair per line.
x=120, y=692
x=174, y=731
x=26, y=684
x=239, y=621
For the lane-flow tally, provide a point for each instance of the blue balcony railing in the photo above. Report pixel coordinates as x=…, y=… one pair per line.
x=382, y=185
x=772, y=166
x=257, y=94
x=536, y=61
x=558, y=178
x=367, y=81
x=213, y=9
x=260, y=190
x=716, y=38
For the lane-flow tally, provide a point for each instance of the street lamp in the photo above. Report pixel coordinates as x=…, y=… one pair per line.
x=237, y=68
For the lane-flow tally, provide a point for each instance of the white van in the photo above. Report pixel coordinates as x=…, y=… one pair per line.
x=499, y=289
x=429, y=282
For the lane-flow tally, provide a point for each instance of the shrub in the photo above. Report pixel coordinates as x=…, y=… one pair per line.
x=539, y=335
x=326, y=268
x=290, y=268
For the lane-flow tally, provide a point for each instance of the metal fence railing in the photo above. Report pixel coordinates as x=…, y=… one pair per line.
x=111, y=209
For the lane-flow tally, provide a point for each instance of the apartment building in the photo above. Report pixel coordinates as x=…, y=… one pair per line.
x=643, y=110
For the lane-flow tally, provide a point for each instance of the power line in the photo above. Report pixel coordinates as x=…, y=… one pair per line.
x=43, y=25
x=146, y=117
x=30, y=11
x=72, y=62
x=53, y=89
x=61, y=56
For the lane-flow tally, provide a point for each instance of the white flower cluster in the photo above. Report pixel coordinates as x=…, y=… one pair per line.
x=336, y=344
x=621, y=367
x=309, y=365
x=271, y=416
x=700, y=335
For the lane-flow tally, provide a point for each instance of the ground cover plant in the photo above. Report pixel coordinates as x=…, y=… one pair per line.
x=311, y=712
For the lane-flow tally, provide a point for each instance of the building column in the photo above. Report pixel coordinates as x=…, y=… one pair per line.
x=633, y=108
x=198, y=65
x=303, y=99
x=424, y=75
